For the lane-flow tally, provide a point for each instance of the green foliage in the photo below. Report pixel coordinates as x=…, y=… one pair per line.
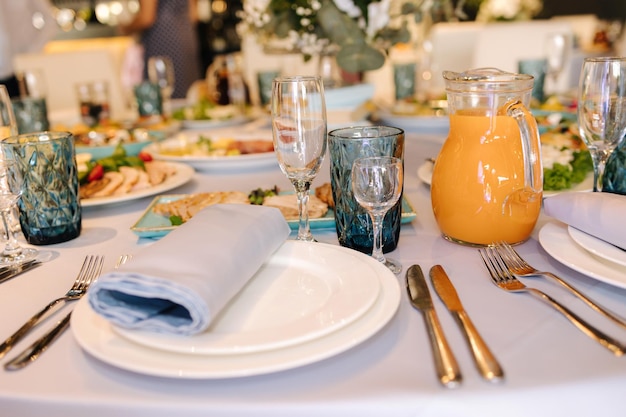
x=360, y=57
x=339, y=27
x=318, y=26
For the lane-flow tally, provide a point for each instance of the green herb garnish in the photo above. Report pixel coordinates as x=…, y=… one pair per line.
x=257, y=196
x=176, y=220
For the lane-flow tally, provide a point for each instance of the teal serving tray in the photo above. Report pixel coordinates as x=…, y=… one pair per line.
x=152, y=225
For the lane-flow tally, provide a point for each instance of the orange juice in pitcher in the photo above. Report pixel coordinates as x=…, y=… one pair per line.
x=487, y=179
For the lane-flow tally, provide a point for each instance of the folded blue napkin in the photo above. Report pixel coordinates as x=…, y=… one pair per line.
x=179, y=284
x=598, y=214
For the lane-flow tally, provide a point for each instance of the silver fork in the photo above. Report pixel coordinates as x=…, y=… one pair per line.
x=40, y=345
x=502, y=277
x=90, y=270
x=518, y=266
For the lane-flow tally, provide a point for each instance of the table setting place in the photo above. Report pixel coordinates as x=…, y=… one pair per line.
x=319, y=272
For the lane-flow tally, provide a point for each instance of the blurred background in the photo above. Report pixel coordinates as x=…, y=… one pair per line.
x=216, y=29
x=82, y=19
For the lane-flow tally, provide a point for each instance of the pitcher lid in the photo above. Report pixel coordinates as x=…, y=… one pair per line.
x=487, y=79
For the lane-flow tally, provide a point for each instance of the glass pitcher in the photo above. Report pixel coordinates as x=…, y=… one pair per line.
x=487, y=180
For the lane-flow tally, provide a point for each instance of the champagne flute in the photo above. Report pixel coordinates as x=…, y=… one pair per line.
x=377, y=185
x=10, y=192
x=161, y=72
x=299, y=132
x=8, y=123
x=602, y=109
x=8, y=127
x=557, y=54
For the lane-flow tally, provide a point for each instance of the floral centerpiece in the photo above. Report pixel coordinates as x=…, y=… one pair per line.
x=508, y=10
x=360, y=32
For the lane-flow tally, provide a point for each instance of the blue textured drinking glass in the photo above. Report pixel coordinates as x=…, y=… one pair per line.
x=264, y=82
x=148, y=97
x=614, y=178
x=353, y=223
x=404, y=79
x=49, y=208
x=537, y=68
x=31, y=114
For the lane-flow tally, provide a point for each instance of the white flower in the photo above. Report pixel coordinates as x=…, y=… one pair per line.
x=508, y=10
x=255, y=12
x=348, y=7
x=378, y=14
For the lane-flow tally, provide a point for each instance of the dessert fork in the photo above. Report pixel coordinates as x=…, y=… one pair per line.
x=518, y=266
x=88, y=272
x=502, y=277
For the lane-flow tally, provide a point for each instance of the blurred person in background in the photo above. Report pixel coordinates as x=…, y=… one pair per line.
x=168, y=28
x=25, y=26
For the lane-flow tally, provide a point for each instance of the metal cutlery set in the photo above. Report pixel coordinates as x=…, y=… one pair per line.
x=89, y=272
x=505, y=266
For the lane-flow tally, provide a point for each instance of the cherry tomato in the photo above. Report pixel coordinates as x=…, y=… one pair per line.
x=96, y=173
x=145, y=156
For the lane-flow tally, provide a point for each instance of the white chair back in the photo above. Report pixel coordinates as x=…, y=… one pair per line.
x=63, y=70
x=503, y=45
x=451, y=49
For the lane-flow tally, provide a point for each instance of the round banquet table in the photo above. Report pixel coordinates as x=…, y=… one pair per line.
x=551, y=368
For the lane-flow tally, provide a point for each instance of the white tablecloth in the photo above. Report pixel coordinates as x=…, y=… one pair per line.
x=551, y=367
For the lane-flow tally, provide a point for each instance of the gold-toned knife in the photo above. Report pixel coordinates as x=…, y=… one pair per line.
x=445, y=362
x=486, y=363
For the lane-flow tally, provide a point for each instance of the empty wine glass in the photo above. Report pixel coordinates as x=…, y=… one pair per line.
x=161, y=72
x=377, y=185
x=8, y=127
x=602, y=109
x=299, y=132
x=557, y=48
x=10, y=191
x=8, y=123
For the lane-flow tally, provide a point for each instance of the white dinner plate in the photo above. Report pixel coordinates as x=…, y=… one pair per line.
x=597, y=246
x=555, y=239
x=96, y=336
x=201, y=163
x=301, y=293
x=425, y=174
x=183, y=174
x=416, y=124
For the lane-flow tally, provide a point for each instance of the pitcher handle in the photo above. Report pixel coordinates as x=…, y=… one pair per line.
x=531, y=145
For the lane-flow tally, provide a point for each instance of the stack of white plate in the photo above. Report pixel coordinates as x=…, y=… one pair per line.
x=308, y=302
x=585, y=253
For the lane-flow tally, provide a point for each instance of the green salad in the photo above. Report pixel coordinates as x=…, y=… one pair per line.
x=205, y=109
x=563, y=177
x=566, y=161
